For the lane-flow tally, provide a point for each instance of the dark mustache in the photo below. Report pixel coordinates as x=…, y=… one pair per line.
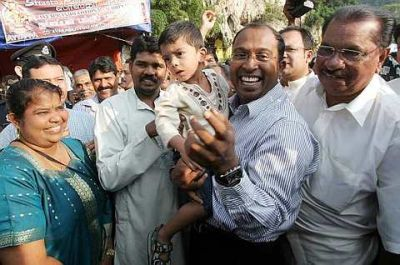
x=338, y=73
x=149, y=78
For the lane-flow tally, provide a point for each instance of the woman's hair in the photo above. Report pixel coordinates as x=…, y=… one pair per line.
x=21, y=94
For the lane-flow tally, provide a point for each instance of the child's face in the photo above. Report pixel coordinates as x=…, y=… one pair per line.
x=182, y=59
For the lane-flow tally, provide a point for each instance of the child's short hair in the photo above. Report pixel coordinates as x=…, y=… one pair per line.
x=185, y=29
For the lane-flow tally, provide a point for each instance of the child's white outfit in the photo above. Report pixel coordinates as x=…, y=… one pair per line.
x=190, y=100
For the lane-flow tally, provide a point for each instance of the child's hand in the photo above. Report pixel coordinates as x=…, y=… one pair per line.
x=186, y=178
x=151, y=129
x=208, y=19
x=190, y=163
x=193, y=195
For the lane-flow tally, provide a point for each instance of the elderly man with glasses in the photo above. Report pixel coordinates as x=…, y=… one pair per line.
x=352, y=199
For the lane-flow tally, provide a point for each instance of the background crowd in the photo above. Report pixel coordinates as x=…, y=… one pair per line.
x=285, y=154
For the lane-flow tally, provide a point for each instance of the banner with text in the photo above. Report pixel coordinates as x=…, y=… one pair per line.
x=37, y=19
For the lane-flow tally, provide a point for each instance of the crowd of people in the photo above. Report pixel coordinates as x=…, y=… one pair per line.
x=286, y=157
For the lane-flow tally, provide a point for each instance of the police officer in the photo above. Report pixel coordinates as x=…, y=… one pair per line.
x=40, y=48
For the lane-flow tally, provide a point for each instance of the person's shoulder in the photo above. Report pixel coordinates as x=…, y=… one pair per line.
x=76, y=146
x=173, y=86
x=79, y=114
x=119, y=100
x=395, y=85
x=12, y=158
x=87, y=102
x=387, y=100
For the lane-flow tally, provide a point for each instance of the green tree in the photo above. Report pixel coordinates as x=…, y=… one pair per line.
x=164, y=12
x=323, y=9
x=394, y=9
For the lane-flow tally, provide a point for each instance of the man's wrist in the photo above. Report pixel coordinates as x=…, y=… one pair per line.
x=229, y=164
x=230, y=178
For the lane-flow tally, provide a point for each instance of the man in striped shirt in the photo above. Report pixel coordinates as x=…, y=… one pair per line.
x=258, y=159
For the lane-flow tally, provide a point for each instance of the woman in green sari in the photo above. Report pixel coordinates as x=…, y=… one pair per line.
x=52, y=208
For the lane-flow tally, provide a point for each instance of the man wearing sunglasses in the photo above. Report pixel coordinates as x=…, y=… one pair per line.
x=353, y=198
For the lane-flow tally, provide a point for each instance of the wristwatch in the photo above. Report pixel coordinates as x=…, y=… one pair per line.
x=230, y=178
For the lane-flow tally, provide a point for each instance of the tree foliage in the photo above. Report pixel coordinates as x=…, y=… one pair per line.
x=394, y=9
x=164, y=12
x=324, y=9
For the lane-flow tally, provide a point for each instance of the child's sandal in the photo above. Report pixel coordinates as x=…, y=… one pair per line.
x=156, y=249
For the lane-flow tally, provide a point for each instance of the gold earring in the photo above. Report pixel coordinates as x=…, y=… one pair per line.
x=18, y=133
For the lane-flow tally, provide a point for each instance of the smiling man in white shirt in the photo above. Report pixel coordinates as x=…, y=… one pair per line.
x=356, y=117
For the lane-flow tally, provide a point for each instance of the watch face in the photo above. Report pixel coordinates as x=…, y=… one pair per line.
x=231, y=178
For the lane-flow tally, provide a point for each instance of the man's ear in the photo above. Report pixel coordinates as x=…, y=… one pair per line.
x=384, y=53
x=18, y=70
x=13, y=119
x=309, y=56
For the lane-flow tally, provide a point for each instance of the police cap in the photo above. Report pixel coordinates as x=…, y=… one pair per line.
x=37, y=49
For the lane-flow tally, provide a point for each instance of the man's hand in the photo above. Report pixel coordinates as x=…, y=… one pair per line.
x=90, y=147
x=213, y=151
x=151, y=129
x=186, y=178
x=207, y=22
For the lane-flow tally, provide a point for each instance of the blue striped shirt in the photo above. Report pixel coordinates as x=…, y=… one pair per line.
x=277, y=152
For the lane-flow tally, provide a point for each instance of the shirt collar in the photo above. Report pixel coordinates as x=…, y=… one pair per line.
x=267, y=101
x=299, y=82
x=140, y=105
x=361, y=105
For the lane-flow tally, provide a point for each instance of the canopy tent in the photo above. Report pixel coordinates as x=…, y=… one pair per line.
x=78, y=50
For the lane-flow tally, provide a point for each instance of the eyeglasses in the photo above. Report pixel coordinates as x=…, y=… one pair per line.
x=244, y=56
x=346, y=54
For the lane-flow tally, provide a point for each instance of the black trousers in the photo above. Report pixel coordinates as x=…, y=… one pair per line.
x=209, y=245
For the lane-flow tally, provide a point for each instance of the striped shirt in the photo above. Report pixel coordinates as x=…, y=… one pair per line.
x=277, y=152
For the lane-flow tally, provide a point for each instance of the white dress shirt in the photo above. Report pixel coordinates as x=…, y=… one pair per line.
x=293, y=87
x=136, y=168
x=395, y=85
x=355, y=192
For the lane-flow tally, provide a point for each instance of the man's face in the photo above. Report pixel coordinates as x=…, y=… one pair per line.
x=84, y=87
x=148, y=71
x=254, y=64
x=296, y=58
x=53, y=74
x=105, y=84
x=209, y=60
x=126, y=77
x=344, y=79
